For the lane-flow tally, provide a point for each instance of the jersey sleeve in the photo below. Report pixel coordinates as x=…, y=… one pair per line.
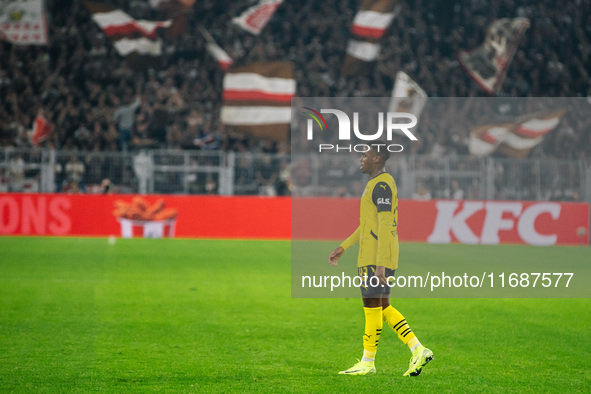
x=352, y=240
x=382, y=197
x=384, y=237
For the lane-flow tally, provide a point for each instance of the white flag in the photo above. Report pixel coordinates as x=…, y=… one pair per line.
x=407, y=95
x=23, y=22
x=254, y=19
x=223, y=59
x=488, y=63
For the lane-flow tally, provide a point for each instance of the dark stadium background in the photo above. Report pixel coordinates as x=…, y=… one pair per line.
x=79, y=79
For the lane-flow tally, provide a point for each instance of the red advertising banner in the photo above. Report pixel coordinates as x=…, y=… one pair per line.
x=434, y=221
x=148, y=216
x=446, y=221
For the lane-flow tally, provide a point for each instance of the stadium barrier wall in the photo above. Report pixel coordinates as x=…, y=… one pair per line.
x=447, y=221
x=126, y=215
x=433, y=221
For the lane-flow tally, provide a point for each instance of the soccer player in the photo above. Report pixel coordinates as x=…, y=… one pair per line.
x=377, y=236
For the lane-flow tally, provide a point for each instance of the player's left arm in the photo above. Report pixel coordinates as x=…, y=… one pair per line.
x=383, y=199
x=338, y=252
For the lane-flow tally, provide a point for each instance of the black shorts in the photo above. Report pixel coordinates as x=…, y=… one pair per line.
x=371, y=288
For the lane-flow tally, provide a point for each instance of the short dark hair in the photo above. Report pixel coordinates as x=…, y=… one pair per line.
x=381, y=149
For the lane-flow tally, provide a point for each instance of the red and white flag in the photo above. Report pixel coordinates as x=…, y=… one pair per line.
x=485, y=139
x=488, y=63
x=369, y=25
x=257, y=99
x=118, y=23
x=514, y=139
x=373, y=19
x=254, y=19
x=23, y=22
x=222, y=58
x=128, y=34
x=41, y=130
x=529, y=133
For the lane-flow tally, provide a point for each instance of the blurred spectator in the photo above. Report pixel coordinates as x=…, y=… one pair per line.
x=356, y=189
x=421, y=193
x=211, y=186
x=124, y=117
x=475, y=191
x=18, y=129
x=207, y=140
x=158, y=122
x=333, y=176
x=243, y=177
x=74, y=173
x=266, y=176
x=283, y=186
x=95, y=161
x=107, y=186
x=455, y=192
x=174, y=136
x=302, y=178
x=4, y=181
x=71, y=187
x=141, y=137
x=16, y=172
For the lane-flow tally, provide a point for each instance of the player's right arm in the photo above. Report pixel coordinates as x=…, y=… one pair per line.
x=338, y=252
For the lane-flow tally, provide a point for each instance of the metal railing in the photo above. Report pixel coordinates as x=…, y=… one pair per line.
x=229, y=173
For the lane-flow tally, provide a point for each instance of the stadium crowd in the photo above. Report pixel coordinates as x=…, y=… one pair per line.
x=98, y=103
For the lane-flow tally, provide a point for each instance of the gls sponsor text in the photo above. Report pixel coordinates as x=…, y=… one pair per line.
x=392, y=125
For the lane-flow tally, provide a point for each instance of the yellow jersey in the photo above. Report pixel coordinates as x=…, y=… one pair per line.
x=377, y=233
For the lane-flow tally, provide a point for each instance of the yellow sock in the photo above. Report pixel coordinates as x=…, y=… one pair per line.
x=398, y=323
x=368, y=356
x=373, y=329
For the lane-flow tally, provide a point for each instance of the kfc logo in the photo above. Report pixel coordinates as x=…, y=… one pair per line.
x=498, y=217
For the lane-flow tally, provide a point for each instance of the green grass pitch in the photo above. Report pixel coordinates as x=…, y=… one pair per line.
x=79, y=315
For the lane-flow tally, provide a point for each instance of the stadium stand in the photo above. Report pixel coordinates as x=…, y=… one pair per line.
x=79, y=81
